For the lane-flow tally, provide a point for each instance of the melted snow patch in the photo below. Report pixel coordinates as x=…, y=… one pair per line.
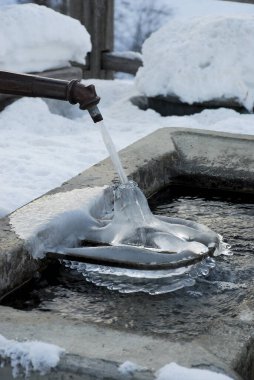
x=29, y=356
x=174, y=371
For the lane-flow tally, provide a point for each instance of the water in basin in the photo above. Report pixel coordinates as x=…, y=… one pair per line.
x=221, y=298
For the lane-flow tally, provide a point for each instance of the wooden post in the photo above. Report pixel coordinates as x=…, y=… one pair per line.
x=98, y=18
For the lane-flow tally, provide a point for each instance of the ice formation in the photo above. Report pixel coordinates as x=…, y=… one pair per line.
x=55, y=219
x=134, y=224
x=121, y=220
x=182, y=246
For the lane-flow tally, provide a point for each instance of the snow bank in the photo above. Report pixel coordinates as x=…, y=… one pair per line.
x=174, y=371
x=36, y=38
x=29, y=356
x=201, y=58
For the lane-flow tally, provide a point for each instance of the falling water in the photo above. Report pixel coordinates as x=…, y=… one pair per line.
x=112, y=152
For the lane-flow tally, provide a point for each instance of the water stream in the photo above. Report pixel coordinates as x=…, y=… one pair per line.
x=112, y=152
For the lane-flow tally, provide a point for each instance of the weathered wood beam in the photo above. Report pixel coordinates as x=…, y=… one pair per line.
x=126, y=62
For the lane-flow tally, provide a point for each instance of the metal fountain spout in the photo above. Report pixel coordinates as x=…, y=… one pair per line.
x=37, y=86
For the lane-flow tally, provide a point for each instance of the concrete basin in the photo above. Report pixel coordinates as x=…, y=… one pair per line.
x=96, y=347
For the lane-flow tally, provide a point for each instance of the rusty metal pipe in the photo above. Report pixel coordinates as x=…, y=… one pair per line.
x=36, y=86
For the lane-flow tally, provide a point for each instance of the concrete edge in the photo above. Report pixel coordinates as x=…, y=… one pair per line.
x=75, y=367
x=97, y=351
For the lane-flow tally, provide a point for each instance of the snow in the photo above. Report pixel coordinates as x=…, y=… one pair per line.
x=36, y=38
x=129, y=54
x=174, y=371
x=29, y=356
x=128, y=368
x=44, y=144
x=186, y=9
x=213, y=52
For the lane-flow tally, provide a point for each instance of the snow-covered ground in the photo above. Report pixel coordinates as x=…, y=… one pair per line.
x=44, y=143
